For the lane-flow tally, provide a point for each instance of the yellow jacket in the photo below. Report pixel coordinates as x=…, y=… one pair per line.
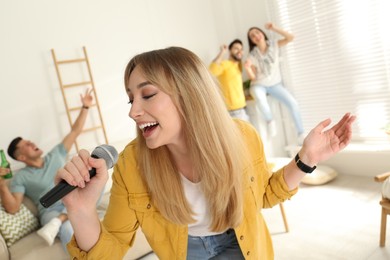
x=130, y=207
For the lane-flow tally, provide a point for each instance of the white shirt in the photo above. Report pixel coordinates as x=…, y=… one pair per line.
x=197, y=201
x=267, y=65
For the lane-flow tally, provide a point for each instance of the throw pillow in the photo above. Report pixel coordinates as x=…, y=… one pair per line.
x=15, y=226
x=323, y=174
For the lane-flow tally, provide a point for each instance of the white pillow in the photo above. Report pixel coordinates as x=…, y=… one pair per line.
x=321, y=175
x=15, y=226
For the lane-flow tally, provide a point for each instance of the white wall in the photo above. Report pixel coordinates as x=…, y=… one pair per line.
x=31, y=104
x=112, y=31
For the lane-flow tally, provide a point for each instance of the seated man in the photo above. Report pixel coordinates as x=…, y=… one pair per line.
x=37, y=178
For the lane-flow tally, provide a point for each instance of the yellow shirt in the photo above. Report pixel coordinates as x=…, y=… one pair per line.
x=130, y=207
x=230, y=78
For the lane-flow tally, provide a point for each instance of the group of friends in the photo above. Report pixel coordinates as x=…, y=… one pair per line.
x=194, y=179
x=263, y=69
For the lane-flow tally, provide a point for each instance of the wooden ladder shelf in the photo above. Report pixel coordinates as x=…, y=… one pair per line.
x=89, y=82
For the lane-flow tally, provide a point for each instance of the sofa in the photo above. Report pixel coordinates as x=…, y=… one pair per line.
x=32, y=246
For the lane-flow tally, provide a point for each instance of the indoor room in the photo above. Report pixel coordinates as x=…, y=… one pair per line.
x=54, y=52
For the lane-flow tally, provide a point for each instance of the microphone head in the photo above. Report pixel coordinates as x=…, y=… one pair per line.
x=106, y=152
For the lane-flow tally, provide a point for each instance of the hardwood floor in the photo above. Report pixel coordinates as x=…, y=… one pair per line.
x=338, y=220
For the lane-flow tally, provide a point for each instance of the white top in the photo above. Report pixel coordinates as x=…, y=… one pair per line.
x=267, y=65
x=197, y=201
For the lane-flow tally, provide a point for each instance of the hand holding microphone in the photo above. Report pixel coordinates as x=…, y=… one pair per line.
x=77, y=173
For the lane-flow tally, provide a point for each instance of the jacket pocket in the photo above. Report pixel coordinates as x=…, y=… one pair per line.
x=153, y=224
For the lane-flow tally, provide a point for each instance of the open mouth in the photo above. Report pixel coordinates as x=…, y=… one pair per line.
x=148, y=127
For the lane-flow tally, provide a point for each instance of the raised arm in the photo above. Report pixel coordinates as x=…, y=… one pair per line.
x=287, y=37
x=319, y=146
x=78, y=125
x=250, y=69
x=220, y=55
x=215, y=66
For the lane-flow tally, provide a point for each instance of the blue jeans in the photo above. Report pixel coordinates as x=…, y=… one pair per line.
x=278, y=91
x=66, y=230
x=222, y=246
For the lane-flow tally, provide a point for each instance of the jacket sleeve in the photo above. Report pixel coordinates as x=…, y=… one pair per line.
x=277, y=190
x=270, y=188
x=119, y=225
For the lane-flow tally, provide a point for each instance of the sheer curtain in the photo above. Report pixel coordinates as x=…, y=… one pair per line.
x=339, y=61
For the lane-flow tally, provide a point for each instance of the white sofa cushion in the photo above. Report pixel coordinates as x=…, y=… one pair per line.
x=15, y=226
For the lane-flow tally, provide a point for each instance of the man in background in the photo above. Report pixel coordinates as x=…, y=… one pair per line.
x=229, y=74
x=37, y=178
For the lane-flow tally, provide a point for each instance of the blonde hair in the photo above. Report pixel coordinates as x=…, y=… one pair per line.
x=215, y=143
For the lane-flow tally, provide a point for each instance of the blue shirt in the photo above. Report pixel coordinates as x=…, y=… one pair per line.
x=35, y=182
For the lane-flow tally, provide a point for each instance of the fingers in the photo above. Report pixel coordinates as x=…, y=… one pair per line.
x=98, y=164
x=248, y=63
x=223, y=48
x=269, y=26
x=76, y=171
x=344, y=132
x=88, y=92
x=344, y=124
x=79, y=170
x=322, y=125
x=3, y=171
x=87, y=98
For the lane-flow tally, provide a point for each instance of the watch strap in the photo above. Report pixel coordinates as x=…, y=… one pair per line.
x=302, y=166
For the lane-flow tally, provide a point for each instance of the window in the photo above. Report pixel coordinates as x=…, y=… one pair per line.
x=339, y=61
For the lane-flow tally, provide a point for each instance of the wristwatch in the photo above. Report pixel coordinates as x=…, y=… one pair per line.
x=304, y=167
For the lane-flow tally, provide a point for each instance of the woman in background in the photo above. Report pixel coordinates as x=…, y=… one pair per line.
x=194, y=179
x=263, y=69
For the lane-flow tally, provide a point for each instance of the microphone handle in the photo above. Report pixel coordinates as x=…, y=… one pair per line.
x=55, y=194
x=60, y=190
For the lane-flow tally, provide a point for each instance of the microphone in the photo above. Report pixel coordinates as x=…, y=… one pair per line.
x=104, y=151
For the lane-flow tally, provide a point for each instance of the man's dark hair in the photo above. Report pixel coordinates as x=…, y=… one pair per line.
x=234, y=42
x=12, y=147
